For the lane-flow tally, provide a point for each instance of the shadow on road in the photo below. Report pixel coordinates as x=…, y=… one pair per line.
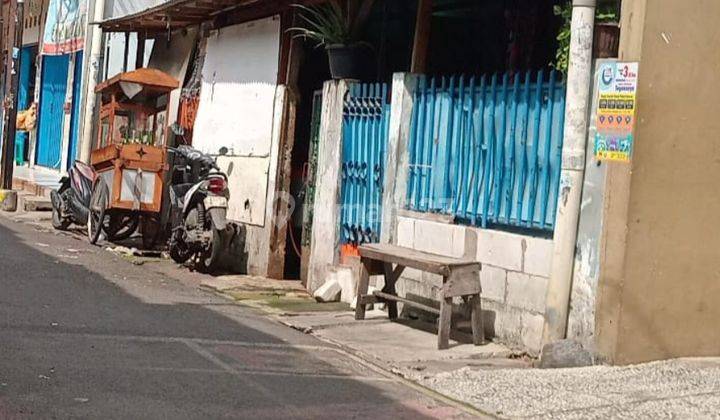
x=74, y=344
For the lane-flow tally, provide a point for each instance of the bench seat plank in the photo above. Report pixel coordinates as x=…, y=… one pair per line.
x=419, y=260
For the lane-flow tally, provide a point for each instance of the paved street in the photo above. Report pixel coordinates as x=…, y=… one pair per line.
x=86, y=334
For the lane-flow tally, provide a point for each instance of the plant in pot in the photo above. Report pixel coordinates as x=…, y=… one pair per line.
x=337, y=25
x=606, y=36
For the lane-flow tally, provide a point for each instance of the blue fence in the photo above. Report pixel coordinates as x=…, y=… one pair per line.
x=488, y=150
x=365, y=132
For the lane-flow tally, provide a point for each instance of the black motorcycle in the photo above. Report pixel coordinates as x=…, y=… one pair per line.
x=71, y=203
x=198, y=209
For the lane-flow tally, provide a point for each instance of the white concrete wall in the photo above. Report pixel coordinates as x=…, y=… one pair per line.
x=514, y=277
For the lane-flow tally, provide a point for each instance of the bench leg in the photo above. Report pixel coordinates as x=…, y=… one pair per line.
x=391, y=277
x=478, y=328
x=444, y=323
x=362, y=289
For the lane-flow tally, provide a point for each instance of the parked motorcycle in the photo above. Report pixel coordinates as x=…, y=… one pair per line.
x=199, y=196
x=71, y=203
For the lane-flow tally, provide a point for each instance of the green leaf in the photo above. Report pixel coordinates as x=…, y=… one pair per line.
x=334, y=22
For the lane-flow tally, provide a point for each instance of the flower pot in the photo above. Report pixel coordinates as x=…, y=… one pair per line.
x=347, y=61
x=606, y=40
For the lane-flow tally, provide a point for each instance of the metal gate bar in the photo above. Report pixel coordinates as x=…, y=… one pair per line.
x=366, y=116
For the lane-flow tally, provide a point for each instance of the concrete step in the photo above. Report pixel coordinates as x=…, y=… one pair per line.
x=31, y=187
x=35, y=203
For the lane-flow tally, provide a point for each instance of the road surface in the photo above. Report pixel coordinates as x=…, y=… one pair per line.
x=86, y=334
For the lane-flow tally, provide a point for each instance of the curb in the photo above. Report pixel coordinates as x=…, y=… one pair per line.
x=373, y=363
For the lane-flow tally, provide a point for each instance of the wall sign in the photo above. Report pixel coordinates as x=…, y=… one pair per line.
x=617, y=87
x=64, y=27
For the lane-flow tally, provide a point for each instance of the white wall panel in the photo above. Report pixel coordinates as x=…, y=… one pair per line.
x=248, y=181
x=237, y=99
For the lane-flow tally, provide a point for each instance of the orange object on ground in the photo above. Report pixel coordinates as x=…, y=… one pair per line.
x=349, y=250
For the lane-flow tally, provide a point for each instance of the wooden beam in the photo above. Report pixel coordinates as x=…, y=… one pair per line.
x=140, y=54
x=127, y=52
x=423, y=23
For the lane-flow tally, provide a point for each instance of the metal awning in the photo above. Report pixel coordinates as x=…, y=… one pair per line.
x=176, y=14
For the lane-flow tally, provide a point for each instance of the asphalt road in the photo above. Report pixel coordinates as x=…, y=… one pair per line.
x=86, y=334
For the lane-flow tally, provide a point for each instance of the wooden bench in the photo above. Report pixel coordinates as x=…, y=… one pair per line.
x=461, y=278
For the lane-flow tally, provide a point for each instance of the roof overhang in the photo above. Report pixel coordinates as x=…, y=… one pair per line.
x=177, y=14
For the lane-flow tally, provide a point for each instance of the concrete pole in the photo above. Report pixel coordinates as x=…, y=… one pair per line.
x=92, y=73
x=396, y=168
x=579, y=77
x=325, y=243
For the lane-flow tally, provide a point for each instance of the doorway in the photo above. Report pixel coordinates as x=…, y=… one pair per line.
x=313, y=72
x=26, y=87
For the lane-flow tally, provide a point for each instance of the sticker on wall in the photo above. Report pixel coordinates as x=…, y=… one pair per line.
x=617, y=87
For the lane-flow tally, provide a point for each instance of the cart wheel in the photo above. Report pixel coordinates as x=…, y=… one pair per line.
x=98, y=205
x=120, y=226
x=150, y=229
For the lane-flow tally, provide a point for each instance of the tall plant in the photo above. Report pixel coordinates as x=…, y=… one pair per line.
x=337, y=22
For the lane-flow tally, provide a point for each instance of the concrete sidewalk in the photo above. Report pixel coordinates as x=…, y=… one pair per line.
x=681, y=388
x=408, y=348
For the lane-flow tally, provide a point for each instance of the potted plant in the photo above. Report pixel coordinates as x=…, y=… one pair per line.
x=606, y=38
x=337, y=25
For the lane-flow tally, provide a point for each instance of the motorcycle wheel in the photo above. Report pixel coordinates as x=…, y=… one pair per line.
x=58, y=222
x=210, y=259
x=98, y=205
x=120, y=226
x=177, y=248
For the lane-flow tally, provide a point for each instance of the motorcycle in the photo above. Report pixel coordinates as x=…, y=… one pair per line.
x=198, y=196
x=71, y=204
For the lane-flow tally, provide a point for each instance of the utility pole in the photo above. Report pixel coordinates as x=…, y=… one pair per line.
x=8, y=145
x=579, y=80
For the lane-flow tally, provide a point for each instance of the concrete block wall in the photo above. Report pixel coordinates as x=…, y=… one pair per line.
x=514, y=277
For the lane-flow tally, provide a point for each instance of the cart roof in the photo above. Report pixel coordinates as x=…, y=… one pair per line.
x=154, y=82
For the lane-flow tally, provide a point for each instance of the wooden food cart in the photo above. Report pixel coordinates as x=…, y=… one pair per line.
x=130, y=155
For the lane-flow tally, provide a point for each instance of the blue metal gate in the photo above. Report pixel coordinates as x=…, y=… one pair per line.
x=488, y=150
x=365, y=133
x=51, y=112
x=75, y=118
